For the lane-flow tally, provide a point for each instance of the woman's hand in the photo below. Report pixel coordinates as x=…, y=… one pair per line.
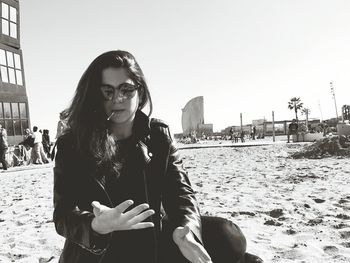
x=109, y=219
x=189, y=247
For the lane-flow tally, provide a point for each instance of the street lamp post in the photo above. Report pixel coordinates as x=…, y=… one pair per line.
x=335, y=102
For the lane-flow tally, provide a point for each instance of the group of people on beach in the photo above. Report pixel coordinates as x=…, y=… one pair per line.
x=242, y=135
x=34, y=149
x=36, y=146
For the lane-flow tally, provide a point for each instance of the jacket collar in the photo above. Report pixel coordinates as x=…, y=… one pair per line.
x=141, y=135
x=141, y=128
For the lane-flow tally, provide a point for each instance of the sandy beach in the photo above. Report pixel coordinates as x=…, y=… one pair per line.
x=290, y=210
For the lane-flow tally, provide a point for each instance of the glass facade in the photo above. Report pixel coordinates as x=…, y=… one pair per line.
x=13, y=116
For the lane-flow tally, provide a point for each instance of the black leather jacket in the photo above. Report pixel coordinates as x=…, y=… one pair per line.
x=76, y=186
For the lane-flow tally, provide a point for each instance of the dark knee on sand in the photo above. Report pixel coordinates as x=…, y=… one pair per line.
x=223, y=239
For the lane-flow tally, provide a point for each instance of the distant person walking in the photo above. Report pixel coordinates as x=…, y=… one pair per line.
x=38, y=151
x=253, y=132
x=232, y=131
x=242, y=136
x=46, y=142
x=236, y=136
x=293, y=129
x=3, y=147
x=325, y=128
x=36, y=148
x=28, y=144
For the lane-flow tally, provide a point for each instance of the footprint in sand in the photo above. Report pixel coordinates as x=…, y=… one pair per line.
x=342, y=216
x=276, y=213
x=345, y=234
x=319, y=201
x=343, y=200
x=330, y=250
x=271, y=222
x=341, y=226
x=290, y=231
x=247, y=213
x=15, y=257
x=346, y=244
x=314, y=222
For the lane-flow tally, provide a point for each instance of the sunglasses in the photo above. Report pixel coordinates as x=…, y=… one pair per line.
x=125, y=91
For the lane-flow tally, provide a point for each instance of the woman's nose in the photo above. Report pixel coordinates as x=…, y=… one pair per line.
x=118, y=96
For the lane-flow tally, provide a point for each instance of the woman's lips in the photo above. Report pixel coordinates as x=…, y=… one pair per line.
x=114, y=112
x=117, y=111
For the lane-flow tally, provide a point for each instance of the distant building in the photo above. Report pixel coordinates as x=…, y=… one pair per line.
x=193, y=118
x=346, y=112
x=14, y=111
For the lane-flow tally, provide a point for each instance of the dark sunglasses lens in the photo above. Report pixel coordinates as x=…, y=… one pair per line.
x=127, y=90
x=107, y=92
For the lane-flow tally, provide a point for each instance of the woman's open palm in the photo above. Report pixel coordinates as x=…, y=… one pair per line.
x=109, y=219
x=189, y=247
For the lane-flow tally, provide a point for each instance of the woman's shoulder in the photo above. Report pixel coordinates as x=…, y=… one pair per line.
x=66, y=141
x=160, y=129
x=154, y=122
x=67, y=150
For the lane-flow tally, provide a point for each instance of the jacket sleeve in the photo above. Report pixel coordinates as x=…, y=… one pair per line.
x=71, y=222
x=179, y=200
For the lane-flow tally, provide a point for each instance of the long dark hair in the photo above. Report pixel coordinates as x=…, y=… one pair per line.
x=86, y=117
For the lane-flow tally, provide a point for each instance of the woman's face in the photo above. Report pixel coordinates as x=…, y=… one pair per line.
x=121, y=95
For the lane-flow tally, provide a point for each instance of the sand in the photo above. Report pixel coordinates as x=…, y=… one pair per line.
x=290, y=210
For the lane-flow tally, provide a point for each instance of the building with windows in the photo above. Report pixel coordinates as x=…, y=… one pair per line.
x=14, y=111
x=345, y=112
x=193, y=118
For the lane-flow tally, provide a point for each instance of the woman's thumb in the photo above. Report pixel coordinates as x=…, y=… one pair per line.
x=186, y=230
x=183, y=231
x=97, y=208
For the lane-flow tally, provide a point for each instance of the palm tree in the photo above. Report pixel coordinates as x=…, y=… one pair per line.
x=295, y=104
x=306, y=112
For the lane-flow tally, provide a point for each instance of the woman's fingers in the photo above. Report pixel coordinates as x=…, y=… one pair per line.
x=139, y=218
x=142, y=225
x=133, y=218
x=123, y=206
x=136, y=210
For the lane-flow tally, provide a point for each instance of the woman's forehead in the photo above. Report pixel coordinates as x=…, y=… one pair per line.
x=115, y=76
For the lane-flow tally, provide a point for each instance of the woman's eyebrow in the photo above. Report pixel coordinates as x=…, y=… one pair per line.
x=107, y=85
x=128, y=81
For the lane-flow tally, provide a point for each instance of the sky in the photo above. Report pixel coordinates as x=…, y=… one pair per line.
x=247, y=56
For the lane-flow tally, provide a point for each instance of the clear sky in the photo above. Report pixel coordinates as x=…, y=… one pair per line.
x=248, y=56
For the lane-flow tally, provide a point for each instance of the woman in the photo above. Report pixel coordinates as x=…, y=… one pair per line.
x=120, y=191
